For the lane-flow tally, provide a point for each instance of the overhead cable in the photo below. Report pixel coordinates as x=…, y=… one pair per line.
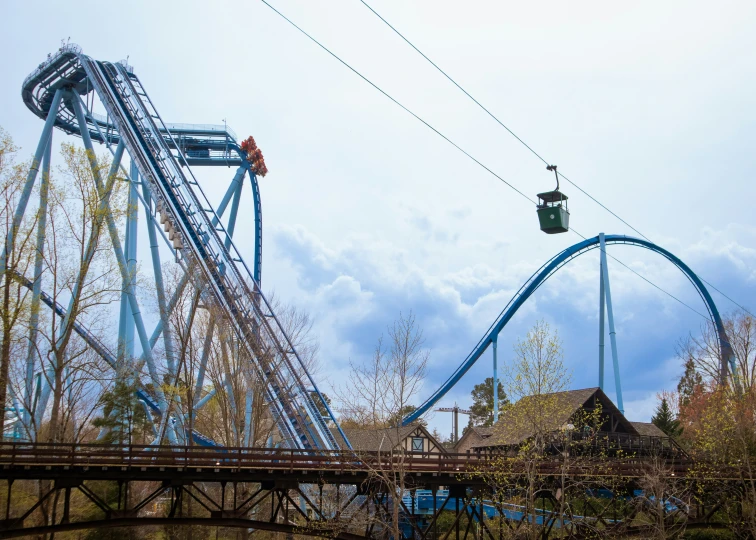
x=455, y=145
x=526, y=145
x=492, y=115
x=371, y=83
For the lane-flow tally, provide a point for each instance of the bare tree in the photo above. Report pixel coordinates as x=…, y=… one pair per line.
x=377, y=392
x=703, y=350
x=15, y=309
x=81, y=268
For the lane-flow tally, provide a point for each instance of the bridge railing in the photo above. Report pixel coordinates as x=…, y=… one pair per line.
x=457, y=466
x=66, y=454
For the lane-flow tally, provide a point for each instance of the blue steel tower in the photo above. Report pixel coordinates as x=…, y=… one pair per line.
x=162, y=186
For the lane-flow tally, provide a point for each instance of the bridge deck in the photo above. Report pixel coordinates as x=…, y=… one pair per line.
x=196, y=463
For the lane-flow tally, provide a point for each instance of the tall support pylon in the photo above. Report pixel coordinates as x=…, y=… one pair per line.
x=42, y=145
x=32, y=353
x=126, y=322
x=495, y=346
x=602, y=318
x=612, y=333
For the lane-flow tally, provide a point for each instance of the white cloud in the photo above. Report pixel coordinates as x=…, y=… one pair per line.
x=359, y=288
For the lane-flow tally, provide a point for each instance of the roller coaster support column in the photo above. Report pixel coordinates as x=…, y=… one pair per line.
x=249, y=432
x=168, y=308
x=115, y=240
x=203, y=366
x=157, y=269
x=126, y=324
x=102, y=210
x=235, y=206
x=230, y=192
x=225, y=345
x=44, y=139
x=31, y=352
x=494, y=344
x=610, y=313
x=602, y=317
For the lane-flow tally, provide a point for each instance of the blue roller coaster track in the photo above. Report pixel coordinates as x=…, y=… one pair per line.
x=161, y=155
x=727, y=363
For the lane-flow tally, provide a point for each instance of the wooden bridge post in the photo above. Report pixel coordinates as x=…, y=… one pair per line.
x=67, y=505
x=8, y=499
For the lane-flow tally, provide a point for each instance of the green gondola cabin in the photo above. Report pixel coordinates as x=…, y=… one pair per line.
x=552, y=212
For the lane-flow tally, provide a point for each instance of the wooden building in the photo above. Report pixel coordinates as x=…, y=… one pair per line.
x=566, y=418
x=412, y=438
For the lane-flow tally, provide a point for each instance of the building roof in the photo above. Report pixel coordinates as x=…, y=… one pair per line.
x=648, y=429
x=482, y=431
x=472, y=436
x=383, y=439
x=546, y=413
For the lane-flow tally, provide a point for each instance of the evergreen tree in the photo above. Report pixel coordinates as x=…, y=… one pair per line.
x=122, y=414
x=689, y=382
x=483, y=407
x=322, y=409
x=665, y=420
x=395, y=420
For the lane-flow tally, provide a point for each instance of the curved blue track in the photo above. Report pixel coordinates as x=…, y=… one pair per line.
x=544, y=273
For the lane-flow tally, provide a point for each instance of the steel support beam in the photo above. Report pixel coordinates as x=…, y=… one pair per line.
x=610, y=314
x=42, y=145
x=157, y=269
x=232, y=188
x=133, y=302
x=234, y=208
x=105, y=191
x=203, y=366
x=126, y=321
x=31, y=352
x=249, y=431
x=132, y=220
x=602, y=318
x=238, y=177
x=495, y=346
x=229, y=384
x=202, y=402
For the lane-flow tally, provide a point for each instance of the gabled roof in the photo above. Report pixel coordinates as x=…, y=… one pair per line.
x=648, y=429
x=482, y=431
x=472, y=436
x=381, y=439
x=546, y=412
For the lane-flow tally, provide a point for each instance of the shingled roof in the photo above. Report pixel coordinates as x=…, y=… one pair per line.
x=384, y=439
x=549, y=412
x=648, y=429
x=473, y=435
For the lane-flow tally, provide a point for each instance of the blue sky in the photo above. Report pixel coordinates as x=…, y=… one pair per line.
x=648, y=106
